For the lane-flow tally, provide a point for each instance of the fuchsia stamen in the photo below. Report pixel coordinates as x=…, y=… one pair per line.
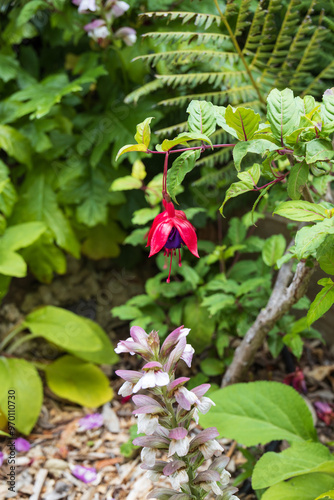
x=180, y=263
x=170, y=265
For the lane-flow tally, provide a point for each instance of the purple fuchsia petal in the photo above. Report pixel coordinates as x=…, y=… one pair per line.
x=85, y=474
x=174, y=239
x=22, y=444
x=92, y=421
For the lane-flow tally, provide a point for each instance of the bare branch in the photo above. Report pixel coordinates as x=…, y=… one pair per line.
x=282, y=298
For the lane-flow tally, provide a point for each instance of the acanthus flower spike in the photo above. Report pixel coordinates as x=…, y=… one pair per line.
x=171, y=230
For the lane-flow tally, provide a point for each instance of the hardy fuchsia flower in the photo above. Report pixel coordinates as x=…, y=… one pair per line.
x=165, y=418
x=171, y=230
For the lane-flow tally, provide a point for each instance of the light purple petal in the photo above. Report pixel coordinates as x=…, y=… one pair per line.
x=161, y=378
x=138, y=334
x=2, y=457
x=89, y=27
x=187, y=355
x=129, y=375
x=200, y=390
x=178, y=433
x=142, y=400
x=22, y=444
x=92, y=421
x=85, y=474
x=173, y=339
x=177, y=382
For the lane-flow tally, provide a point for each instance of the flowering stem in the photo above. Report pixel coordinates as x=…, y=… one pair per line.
x=278, y=179
x=164, y=182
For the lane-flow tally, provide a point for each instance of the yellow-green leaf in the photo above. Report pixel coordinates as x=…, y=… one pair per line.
x=143, y=134
x=131, y=147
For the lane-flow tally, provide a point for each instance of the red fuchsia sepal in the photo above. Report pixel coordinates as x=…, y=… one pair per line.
x=171, y=230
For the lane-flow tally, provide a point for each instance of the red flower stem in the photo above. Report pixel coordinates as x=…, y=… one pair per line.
x=164, y=180
x=278, y=179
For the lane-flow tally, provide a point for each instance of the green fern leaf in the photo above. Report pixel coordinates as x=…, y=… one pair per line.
x=318, y=85
x=205, y=20
x=214, y=78
x=172, y=37
x=213, y=159
x=254, y=34
x=234, y=95
x=243, y=17
x=179, y=57
x=147, y=89
x=168, y=131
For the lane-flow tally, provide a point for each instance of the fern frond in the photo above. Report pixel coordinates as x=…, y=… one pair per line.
x=215, y=78
x=255, y=30
x=243, y=20
x=310, y=57
x=210, y=160
x=266, y=41
x=214, y=177
x=190, y=37
x=234, y=95
x=297, y=47
x=168, y=131
x=205, y=20
x=318, y=85
x=178, y=57
x=146, y=89
x=284, y=39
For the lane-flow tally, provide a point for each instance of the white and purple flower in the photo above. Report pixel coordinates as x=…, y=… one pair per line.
x=153, y=376
x=85, y=6
x=179, y=442
x=128, y=35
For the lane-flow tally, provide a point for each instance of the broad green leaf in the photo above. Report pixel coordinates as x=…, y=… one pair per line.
x=144, y=215
x=310, y=238
x=329, y=495
x=137, y=237
x=259, y=412
x=126, y=183
x=12, y=264
x=297, y=179
x=8, y=196
x=201, y=117
x=301, y=458
x=220, y=112
x=106, y=353
x=131, y=147
x=102, y=242
x=237, y=231
x=29, y=10
x=218, y=302
x=259, y=146
x=248, y=181
x=21, y=235
x=78, y=381
x=38, y=202
x=21, y=376
x=212, y=367
x=306, y=487
x=283, y=113
x=9, y=67
x=322, y=303
x=318, y=150
x=251, y=285
x=325, y=255
x=234, y=190
x=327, y=112
x=182, y=138
x=143, y=134
x=44, y=259
x=126, y=312
x=300, y=210
x=15, y=144
x=138, y=170
x=243, y=120
x=295, y=343
x=64, y=328
x=201, y=324
x=273, y=249
x=181, y=166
